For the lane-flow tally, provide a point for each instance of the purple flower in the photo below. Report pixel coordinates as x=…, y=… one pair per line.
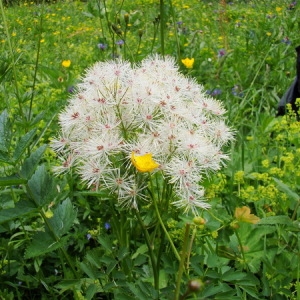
x=88, y=236
x=102, y=46
x=214, y=92
x=221, y=52
x=120, y=42
x=107, y=226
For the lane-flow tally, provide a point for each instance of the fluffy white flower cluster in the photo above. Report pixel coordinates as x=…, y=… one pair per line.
x=150, y=108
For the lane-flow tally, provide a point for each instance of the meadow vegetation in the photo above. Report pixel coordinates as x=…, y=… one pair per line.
x=67, y=238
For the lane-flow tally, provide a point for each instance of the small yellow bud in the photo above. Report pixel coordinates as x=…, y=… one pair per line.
x=49, y=214
x=199, y=221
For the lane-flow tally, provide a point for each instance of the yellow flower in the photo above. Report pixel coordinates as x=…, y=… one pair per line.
x=66, y=63
x=242, y=214
x=143, y=163
x=188, y=62
x=278, y=9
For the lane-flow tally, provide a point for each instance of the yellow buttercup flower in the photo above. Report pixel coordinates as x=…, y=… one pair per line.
x=242, y=214
x=188, y=62
x=66, y=63
x=144, y=163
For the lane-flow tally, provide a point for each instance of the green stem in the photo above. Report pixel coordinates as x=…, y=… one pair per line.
x=241, y=246
x=162, y=27
x=62, y=250
x=150, y=248
x=184, y=253
x=165, y=230
x=36, y=64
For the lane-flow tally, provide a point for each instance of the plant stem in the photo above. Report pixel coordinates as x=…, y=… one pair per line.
x=165, y=230
x=184, y=253
x=162, y=27
x=150, y=248
x=241, y=246
x=36, y=63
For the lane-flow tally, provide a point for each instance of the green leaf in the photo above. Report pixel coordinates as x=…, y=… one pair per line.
x=22, y=144
x=11, y=180
x=233, y=275
x=105, y=242
x=30, y=164
x=274, y=220
x=63, y=218
x=43, y=243
x=141, y=250
x=286, y=189
x=5, y=132
x=41, y=186
x=21, y=208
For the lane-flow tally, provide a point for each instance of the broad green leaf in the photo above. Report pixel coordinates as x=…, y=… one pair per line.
x=22, y=144
x=5, y=132
x=21, y=208
x=30, y=164
x=63, y=218
x=43, y=243
x=41, y=186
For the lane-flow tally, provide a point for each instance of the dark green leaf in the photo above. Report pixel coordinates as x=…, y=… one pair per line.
x=22, y=144
x=21, y=208
x=30, y=164
x=41, y=186
x=63, y=218
x=5, y=132
x=43, y=243
x=11, y=180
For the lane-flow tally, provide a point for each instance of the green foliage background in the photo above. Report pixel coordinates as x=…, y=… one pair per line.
x=55, y=242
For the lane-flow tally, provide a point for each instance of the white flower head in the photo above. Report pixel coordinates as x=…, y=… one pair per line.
x=150, y=108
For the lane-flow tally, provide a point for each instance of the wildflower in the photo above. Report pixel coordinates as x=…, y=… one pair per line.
x=149, y=116
x=120, y=42
x=188, y=62
x=242, y=214
x=144, y=163
x=66, y=63
x=107, y=226
x=221, y=53
x=214, y=92
x=102, y=46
